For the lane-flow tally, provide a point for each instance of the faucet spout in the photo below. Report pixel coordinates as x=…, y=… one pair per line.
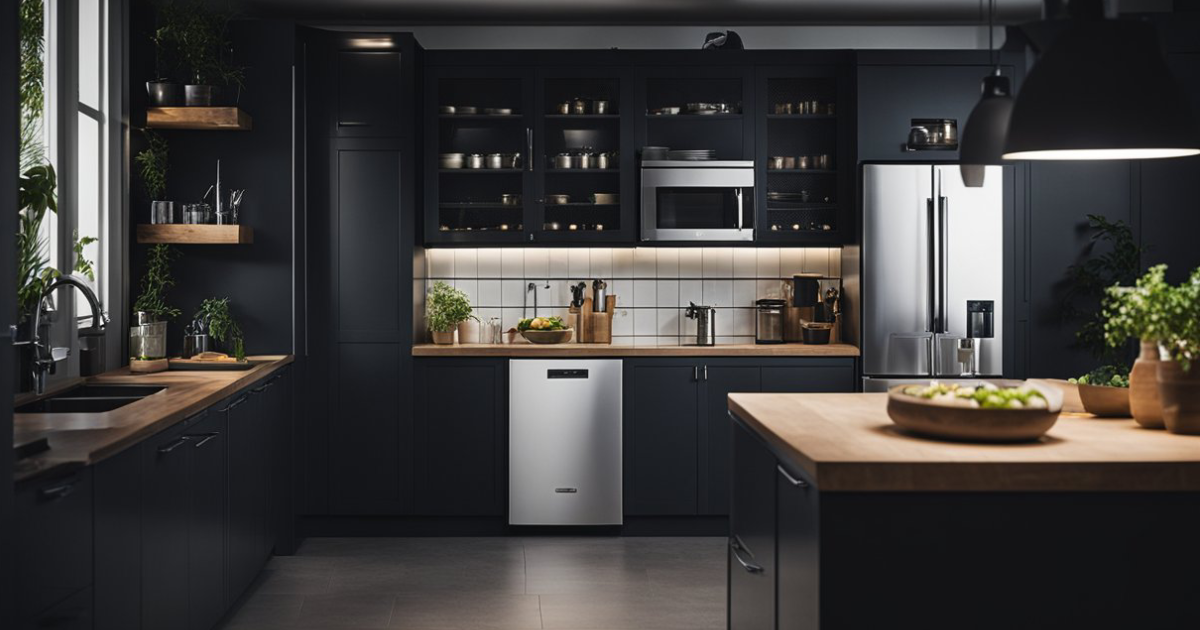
x=44, y=357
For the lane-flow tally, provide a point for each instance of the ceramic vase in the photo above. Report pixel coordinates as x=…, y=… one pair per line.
x=1144, y=401
x=468, y=331
x=1180, y=395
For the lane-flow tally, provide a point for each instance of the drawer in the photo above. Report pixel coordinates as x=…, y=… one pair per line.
x=54, y=541
x=74, y=613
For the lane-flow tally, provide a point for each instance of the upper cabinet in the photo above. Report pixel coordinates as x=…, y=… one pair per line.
x=367, y=101
x=698, y=108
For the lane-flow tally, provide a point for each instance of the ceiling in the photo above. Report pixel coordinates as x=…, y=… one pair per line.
x=674, y=12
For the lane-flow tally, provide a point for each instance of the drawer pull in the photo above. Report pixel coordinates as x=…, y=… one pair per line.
x=173, y=445
x=204, y=438
x=737, y=546
x=55, y=493
x=241, y=400
x=799, y=483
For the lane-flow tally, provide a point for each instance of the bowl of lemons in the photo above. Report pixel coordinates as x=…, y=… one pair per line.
x=544, y=330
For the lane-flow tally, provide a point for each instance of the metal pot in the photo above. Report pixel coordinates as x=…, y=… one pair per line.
x=495, y=160
x=558, y=199
x=450, y=160
x=775, y=162
x=600, y=107
x=579, y=106
x=587, y=160
x=199, y=95
x=604, y=160
x=512, y=160
x=509, y=199
x=164, y=93
x=563, y=108
x=475, y=160
x=563, y=160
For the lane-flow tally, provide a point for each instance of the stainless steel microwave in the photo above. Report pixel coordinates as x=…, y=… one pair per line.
x=697, y=201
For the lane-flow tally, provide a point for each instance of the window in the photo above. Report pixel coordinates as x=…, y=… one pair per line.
x=90, y=146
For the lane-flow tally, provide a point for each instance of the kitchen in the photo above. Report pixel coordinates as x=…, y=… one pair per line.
x=489, y=314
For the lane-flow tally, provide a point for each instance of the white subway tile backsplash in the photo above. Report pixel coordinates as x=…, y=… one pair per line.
x=512, y=263
x=691, y=291
x=816, y=261
x=668, y=263
x=512, y=293
x=645, y=321
x=579, y=263
x=537, y=263
x=489, y=263
x=645, y=341
x=602, y=263
x=724, y=321
x=745, y=292
x=645, y=293
x=623, y=289
x=622, y=323
x=791, y=262
x=440, y=262
x=745, y=262
x=768, y=262
x=743, y=321
x=691, y=263
x=645, y=262
x=470, y=287
x=558, y=262
x=622, y=261
x=465, y=263
x=509, y=317
x=668, y=293
x=770, y=289
x=667, y=341
x=835, y=262
x=668, y=321
x=718, y=293
x=718, y=262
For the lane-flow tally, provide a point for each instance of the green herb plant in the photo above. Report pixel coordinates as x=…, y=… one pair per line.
x=218, y=316
x=36, y=195
x=446, y=307
x=1106, y=376
x=1154, y=310
x=152, y=163
x=194, y=36
x=155, y=283
x=82, y=265
x=32, y=95
x=1088, y=280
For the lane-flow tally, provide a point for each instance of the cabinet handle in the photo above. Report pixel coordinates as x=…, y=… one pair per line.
x=353, y=123
x=737, y=546
x=799, y=483
x=696, y=373
x=240, y=401
x=205, y=438
x=529, y=149
x=706, y=372
x=173, y=445
x=55, y=493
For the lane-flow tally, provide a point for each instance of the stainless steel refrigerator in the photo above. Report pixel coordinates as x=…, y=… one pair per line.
x=932, y=274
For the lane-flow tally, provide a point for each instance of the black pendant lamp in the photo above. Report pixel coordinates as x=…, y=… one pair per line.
x=1102, y=91
x=987, y=127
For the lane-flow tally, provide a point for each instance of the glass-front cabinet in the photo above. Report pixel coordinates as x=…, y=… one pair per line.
x=527, y=156
x=804, y=159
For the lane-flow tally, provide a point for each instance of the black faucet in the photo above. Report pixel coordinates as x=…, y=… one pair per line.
x=91, y=338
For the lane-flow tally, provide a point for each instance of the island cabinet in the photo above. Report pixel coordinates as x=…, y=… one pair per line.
x=678, y=435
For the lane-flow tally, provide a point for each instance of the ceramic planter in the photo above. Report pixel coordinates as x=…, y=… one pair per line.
x=199, y=95
x=1180, y=395
x=468, y=331
x=1144, y=401
x=445, y=338
x=164, y=93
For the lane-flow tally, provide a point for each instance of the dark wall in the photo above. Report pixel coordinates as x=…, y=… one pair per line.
x=8, y=291
x=258, y=277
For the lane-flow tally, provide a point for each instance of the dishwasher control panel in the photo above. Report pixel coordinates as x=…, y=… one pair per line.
x=566, y=373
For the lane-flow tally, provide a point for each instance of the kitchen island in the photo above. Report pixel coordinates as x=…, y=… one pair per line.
x=840, y=520
x=522, y=349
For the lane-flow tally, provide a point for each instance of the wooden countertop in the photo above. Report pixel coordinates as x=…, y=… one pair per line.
x=81, y=439
x=847, y=443
x=518, y=350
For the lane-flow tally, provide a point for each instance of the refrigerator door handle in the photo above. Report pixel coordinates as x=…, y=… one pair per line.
x=931, y=319
x=943, y=229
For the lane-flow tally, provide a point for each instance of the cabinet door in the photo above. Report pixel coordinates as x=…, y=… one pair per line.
x=717, y=432
x=73, y=613
x=118, y=531
x=798, y=568
x=662, y=438
x=206, y=533
x=54, y=541
x=831, y=376
x=461, y=435
x=365, y=469
x=247, y=492
x=752, y=534
x=165, y=531
x=368, y=94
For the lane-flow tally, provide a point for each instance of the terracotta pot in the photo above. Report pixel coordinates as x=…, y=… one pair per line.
x=1180, y=393
x=442, y=338
x=1144, y=401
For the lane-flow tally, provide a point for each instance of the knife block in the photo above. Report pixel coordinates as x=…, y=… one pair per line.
x=593, y=327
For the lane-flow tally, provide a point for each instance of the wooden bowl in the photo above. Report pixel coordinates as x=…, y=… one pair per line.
x=948, y=421
x=547, y=336
x=1106, y=402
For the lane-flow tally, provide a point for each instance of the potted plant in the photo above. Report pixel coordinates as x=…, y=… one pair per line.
x=1104, y=391
x=1135, y=313
x=1179, y=371
x=445, y=308
x=196, y=36
x=218, y=320
x=153, y=164
x=148, y=335
x=36, y=195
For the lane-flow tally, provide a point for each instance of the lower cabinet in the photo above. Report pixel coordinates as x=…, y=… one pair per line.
x=461, y=437
x=249, y=463
x=752, y=562
x=797, y=547
x=54, y=548
x=678, y=435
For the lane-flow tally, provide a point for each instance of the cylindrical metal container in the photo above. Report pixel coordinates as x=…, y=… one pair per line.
x=769, y=321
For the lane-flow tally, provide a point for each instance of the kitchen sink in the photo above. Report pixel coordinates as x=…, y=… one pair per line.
x=90, y=399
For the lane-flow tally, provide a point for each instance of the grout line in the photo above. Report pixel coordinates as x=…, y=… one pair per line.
x=541, y=620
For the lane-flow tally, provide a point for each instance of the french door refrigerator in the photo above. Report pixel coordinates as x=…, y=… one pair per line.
x=932, y=274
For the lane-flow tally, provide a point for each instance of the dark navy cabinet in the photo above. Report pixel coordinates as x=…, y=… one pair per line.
x=752, y=534
x=797, y=566
x=717, y=432
x=368, y=95
x=207, y=460
x=461, y=464
x=54, y=545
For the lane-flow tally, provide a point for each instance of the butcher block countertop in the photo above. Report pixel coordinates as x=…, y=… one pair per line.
x=522, y=349
x=847, y=443
x=81, y=439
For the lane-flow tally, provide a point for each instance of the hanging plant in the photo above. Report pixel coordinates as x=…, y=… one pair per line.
x=153, y=164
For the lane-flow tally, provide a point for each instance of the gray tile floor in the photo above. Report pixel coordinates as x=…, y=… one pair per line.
x=492, y=584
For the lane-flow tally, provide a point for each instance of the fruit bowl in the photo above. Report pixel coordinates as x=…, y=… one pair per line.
x=562, y=335
x=955, y=421
x=1104, y=401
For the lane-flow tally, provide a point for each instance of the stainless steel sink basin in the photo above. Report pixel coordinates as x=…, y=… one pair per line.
x=90, y=399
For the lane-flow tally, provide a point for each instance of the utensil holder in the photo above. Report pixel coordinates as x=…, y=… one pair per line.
x=594, y=326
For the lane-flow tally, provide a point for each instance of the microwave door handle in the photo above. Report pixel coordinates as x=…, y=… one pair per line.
x=738, y=192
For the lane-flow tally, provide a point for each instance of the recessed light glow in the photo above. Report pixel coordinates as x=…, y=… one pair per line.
x=372, y=42
x=1101, y=154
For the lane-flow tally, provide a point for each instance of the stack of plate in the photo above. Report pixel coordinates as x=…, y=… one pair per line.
x=786, y=197
x=692, y=154
x=655, y=153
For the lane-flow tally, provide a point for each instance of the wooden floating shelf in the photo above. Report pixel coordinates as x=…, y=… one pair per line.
x=211, y=118
x=180, y=234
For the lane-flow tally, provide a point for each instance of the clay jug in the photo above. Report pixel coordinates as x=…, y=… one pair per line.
x=1144, y=397
x=1180, y=395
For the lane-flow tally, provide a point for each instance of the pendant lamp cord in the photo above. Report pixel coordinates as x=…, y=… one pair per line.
x=991, y=30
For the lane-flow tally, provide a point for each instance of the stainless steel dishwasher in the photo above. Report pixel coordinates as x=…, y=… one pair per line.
x=564, y=442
